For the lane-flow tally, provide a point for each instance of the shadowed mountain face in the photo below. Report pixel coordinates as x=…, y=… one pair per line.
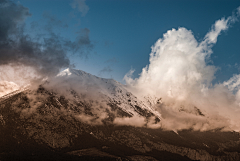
x=43, y=124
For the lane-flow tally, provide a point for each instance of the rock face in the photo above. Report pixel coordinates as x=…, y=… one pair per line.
x=49, y=123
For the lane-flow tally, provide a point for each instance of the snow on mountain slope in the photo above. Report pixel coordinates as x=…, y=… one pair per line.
x=7, y=87
x=107, y=89
x=9, y=93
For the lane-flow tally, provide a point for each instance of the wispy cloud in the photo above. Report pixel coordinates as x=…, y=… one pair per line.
x=112, y=61
x=81, y=6
x=105, y=70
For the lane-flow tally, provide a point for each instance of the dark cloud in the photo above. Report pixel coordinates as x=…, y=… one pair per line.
x=11, y=16
x=46, y=54
x=17, y=48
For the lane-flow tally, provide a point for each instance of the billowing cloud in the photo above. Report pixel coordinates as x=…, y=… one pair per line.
x=81, y=6
x=177, y=66
x=179, y=73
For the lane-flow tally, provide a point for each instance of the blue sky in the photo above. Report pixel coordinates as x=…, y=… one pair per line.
x=123, y=31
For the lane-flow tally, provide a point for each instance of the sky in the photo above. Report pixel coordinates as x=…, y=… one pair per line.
x=121, y=33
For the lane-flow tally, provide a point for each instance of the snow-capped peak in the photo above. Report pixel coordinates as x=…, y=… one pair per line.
x=110, y=90
x=65, y=72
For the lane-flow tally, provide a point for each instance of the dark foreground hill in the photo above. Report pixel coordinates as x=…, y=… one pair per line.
x=50, y=130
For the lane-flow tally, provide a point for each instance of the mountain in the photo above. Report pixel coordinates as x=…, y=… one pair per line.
x=111, y=91
x=73, y=117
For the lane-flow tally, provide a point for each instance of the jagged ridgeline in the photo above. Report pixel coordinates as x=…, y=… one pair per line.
x=83, y=117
